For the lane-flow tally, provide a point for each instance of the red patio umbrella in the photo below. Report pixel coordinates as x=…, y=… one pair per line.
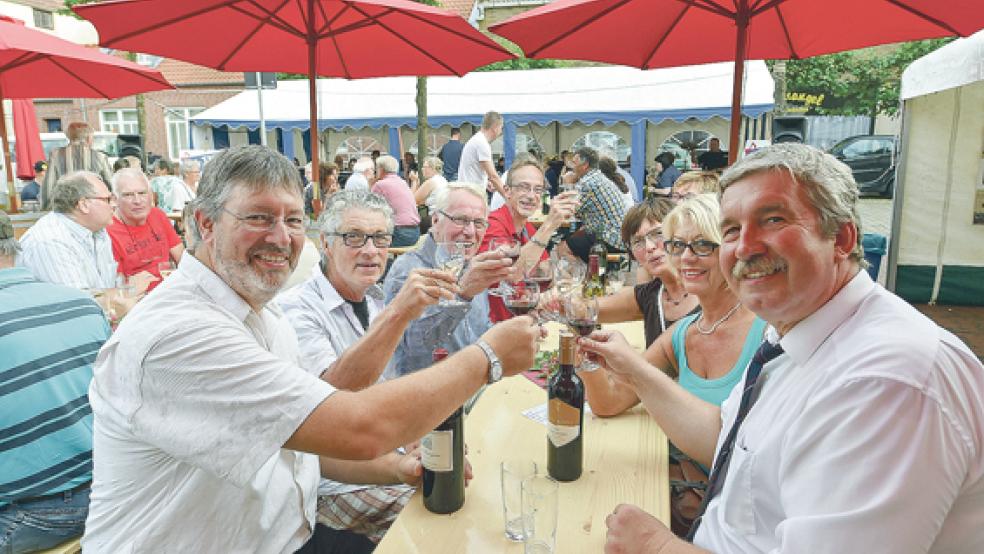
x=665, y=33
x=334, y=38
x=34, y=64
x=29, y=148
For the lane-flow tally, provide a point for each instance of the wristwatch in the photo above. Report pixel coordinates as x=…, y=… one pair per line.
x=539, y=242
x=495, y=367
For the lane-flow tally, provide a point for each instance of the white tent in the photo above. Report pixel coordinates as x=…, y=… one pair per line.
x=937, y=250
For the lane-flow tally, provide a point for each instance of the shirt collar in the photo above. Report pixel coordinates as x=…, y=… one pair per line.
x=806, y=336
x=330, y=295
x=505, y=216
x=212, y=286
x=75, y=228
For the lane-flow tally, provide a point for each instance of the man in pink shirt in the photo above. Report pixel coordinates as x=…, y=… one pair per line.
x=395, y=190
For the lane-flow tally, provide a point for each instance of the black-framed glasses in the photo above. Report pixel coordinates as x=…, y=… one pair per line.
x=461, y=221
x=356, y=239
x=655, y=235
x=296, y=224
x=700, y=247
x=527, y=189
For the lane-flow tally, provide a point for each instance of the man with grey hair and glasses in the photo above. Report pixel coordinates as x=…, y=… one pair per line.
x=859, y=424
x=362, y=175
x=70, y=245
x=200, y=397
x=50, y=337
x=461, y=216
x=347, y=335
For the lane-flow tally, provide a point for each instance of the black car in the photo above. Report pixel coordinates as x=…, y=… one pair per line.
x=872, y=161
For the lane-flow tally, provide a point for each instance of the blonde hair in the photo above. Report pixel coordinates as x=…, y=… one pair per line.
x=702, y=210
x=706, y=181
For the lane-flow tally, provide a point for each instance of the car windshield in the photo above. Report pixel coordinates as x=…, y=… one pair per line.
x=106, y=144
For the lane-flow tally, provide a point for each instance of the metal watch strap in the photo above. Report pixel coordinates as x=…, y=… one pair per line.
x=495, y=367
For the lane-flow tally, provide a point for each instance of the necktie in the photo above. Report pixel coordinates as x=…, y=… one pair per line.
x=766, y=352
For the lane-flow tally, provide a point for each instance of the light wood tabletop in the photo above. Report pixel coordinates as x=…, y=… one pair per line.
x=624, y=461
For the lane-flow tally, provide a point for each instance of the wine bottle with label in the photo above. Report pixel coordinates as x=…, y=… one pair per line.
x=601, y=250
x=565, y=411
x=593, y=287
x=442, y=453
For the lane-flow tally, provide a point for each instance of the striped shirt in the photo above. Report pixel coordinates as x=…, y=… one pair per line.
x=68, y=159
x=49, y=338
x=58, y=250
x=602, y=209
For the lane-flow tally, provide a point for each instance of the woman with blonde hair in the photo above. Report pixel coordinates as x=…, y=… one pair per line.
x=432, y=171
x=693, y=183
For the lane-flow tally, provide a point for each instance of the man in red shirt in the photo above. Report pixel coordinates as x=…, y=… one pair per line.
x=141, y=233
x=524, y=192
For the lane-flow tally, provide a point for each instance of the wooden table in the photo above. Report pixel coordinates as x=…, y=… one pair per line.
x=624, y=461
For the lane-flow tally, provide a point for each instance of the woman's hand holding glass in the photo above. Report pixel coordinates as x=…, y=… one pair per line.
x=582, y=317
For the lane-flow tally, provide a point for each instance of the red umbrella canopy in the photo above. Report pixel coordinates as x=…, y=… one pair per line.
x=666, y=33
x=34, y=64
x=350, y=38
x=29, y=148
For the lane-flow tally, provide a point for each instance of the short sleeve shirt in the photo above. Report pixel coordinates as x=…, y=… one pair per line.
x=476, y=150
x=139, y=248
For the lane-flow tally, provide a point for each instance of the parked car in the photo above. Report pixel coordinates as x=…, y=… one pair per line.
x=872, y=161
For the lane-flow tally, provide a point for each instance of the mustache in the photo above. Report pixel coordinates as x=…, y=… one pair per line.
x=758, y=264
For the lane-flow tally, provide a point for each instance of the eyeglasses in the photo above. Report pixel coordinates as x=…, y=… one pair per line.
x=296, y=224
x=700, y=247
x=655, y=235
x=527, y=189
x=131, y=196
x=106, y=199
x=357, y=239
x=480, y=224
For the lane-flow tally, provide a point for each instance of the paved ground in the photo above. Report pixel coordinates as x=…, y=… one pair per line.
x=967, y=322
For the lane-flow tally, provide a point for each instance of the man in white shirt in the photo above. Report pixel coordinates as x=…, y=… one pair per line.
x=363, y=172
x=346, y=335
x=190, y=171
x=865, y=434
x=203, y=417
x=476, y=164
x=70, y=245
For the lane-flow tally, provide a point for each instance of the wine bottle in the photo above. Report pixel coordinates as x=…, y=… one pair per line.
x=593, y=285
x=443, y=457
x=599, y=248
x=565, y=410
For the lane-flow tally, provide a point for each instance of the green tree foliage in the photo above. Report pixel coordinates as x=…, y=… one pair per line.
x=860, y=82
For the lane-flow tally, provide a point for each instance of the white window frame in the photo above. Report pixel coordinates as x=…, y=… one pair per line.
x=115, y=121
x=176, y=126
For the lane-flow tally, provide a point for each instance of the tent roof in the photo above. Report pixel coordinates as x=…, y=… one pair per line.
x=959, y=63
x=588, y=95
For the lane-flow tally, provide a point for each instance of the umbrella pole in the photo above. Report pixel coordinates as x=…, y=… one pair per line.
x=7, y=157
x=741, y=43
x=315, y=136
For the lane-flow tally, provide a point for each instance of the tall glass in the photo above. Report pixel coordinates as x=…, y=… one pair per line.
x=451, y=258
x=540, y=507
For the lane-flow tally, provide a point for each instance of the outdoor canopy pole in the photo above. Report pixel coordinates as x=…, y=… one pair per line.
x=7, y=157
x=314, y=136
x=741, y=21
x=259, y=99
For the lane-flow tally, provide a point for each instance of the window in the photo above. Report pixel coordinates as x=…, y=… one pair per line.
x=53, y=125
x=436, y=142
x=178, y=138
x=123, y=122
x=356, y=147
x=687, y=146
x=44, y=19
x=602, y=141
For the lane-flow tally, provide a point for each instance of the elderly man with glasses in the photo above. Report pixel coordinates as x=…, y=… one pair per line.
x=460, y=215
x=525, y=186
x=70, y=245
x=142, y=235
x=346, y=335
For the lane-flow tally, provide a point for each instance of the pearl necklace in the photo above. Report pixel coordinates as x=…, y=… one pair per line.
x=717, y=323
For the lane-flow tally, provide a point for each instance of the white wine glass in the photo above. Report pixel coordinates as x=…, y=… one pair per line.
x=450, y=258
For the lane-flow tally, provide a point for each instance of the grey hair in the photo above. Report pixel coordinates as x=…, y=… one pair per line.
x=588, y=155
x=434, y=163
x=491, y=119
x=253, y=168
x=442, y=196
x=341, y=202
x=192, y=235
x=188, y=166
x=70, y=189
x=9, y=247
x=387, y=164
x=828, y=182
x=128, y=172
x=79, y=131
x=522, y=160
x=363, y=163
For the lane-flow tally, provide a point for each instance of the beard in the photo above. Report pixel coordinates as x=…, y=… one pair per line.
x=255, y=286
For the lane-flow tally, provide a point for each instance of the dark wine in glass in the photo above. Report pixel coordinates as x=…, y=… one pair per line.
x=543, y=282
x=583, y=327
x=520, y=308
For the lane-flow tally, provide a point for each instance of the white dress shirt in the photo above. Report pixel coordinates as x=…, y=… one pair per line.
x=326, y=325
x=867, y=437
x=58, y=250
x=193, y=397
